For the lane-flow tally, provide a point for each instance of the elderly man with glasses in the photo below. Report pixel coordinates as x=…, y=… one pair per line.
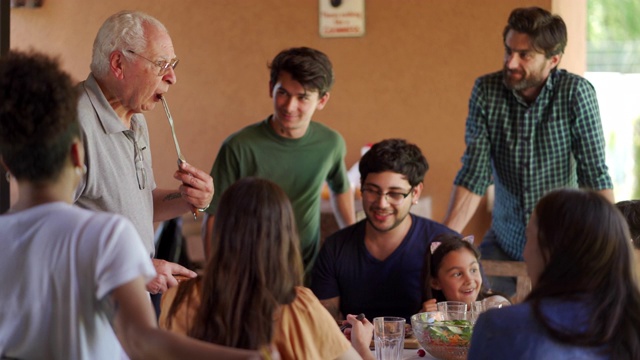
x=375, y=266
x=132, y=66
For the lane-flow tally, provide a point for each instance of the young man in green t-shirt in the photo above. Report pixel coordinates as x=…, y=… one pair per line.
x=290, y=149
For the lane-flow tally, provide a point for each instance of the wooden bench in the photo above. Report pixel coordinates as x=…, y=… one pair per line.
x=516, y=269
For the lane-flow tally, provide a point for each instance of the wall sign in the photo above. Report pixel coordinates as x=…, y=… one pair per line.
x=341, y=18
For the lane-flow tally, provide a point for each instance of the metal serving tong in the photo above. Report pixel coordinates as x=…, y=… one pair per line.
x=173, y=130
x=175, y=142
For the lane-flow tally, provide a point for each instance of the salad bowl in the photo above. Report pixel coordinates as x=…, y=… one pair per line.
x=444, y=335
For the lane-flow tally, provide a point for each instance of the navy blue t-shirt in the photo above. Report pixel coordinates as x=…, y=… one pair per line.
x=392, y=287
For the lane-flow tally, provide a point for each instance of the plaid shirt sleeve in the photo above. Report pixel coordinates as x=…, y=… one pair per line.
x=588, y=144
x=475, y=174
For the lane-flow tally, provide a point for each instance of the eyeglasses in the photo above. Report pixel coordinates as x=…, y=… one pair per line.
x=392, y=197
x=141, y=172
x=162, y=64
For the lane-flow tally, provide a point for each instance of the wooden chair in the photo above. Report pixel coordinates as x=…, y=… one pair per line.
x=515, y=269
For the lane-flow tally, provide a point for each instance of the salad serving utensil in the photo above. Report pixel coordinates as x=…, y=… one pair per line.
x=181, y=159
x=173, y=130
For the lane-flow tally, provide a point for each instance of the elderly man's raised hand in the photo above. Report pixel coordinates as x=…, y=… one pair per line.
x=197, y=186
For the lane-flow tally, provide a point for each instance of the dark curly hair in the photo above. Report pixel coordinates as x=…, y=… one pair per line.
x=310, y=67
x=396, y=155
x=38, y=115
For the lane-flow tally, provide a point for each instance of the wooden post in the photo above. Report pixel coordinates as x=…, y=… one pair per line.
x=4, y=49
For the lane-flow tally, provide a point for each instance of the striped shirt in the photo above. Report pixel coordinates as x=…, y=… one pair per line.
x=527, y=150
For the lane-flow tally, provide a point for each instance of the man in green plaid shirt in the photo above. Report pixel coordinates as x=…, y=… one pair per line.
x=530, y=128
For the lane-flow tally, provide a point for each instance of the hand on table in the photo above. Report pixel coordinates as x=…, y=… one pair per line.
x=166, y=276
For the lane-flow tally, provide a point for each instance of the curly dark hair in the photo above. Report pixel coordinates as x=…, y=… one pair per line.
x=548, y=32
x=396, y=155
x=38, y=115
x=310, y=67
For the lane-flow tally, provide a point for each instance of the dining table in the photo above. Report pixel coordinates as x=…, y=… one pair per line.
x=410, y=351
x=412, y=354
x=411, y=347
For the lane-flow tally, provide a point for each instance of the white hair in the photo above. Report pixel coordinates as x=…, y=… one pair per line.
x=122, y=31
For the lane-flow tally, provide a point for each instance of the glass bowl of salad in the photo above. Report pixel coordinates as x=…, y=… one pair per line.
x=444, y=335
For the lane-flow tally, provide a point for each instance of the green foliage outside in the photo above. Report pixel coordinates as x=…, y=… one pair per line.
x=613, y=36
x=613, y=20
x=636, y=157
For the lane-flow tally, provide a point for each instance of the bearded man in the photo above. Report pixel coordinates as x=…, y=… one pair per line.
x=530, y=128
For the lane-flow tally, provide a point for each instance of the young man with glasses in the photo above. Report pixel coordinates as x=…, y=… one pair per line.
x=132, y=67
x=375, y=267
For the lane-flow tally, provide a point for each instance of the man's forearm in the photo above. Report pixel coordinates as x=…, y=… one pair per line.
x=168, y=204
x=333, y=307
x=462, y=206
x=343, y=208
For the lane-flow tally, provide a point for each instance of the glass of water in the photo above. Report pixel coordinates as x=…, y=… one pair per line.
x=388, y=335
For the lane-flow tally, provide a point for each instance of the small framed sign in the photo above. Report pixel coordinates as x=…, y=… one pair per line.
x=341, y=18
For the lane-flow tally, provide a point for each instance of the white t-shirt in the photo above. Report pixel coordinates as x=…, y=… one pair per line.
x=57, y=264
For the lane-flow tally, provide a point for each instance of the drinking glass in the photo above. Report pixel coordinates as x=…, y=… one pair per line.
x=477, y=306
x=475, y=309
x=495, y=304
x=388, y=335
x=453, y=310
x=446, y=306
